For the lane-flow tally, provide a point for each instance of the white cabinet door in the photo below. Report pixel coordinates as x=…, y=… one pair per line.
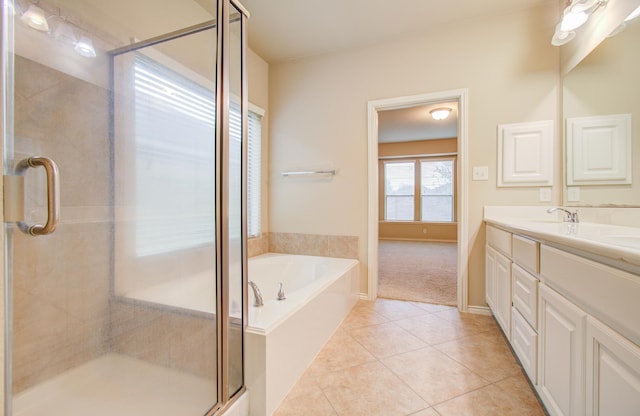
x=503, y=293
x=490, y=277
x=560, y=354
x=613, y=372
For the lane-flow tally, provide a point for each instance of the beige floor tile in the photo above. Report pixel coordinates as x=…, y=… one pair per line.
x=433, y=308
x=341, y=352
x=387, y=339
x=425, y=412
x=519, y=390
x=487, y=401
x=433, y=375
x=484, y=322
x=305, y=399
x=433, y=329
x=369, y=390
x=363, y=314
x=486, y=354
x=396, y=309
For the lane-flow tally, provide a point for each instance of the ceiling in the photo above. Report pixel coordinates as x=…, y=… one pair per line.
x=416, y=123
x=281, y=30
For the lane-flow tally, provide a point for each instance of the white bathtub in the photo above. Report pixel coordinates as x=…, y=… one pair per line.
x=283, y=337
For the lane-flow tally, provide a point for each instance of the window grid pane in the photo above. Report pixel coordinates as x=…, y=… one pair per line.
x=399, y=191
x=437, y=185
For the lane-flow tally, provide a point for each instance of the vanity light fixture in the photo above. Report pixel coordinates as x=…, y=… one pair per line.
x=575, y=15
x=440, y=113
x=85, y=47
x=35, y=18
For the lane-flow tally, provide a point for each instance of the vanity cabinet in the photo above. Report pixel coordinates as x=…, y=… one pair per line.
x=573, y=313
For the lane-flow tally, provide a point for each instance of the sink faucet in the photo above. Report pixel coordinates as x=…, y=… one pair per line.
x=570, y=216
x=256, y=294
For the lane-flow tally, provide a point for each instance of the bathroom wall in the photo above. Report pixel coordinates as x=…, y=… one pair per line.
x=319, y=117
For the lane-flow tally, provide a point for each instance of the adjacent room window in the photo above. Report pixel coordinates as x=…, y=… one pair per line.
x=436, y=190
x=434, y=184
x=399, y=187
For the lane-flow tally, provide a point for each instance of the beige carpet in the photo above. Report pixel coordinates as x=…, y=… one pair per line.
x=417, y=271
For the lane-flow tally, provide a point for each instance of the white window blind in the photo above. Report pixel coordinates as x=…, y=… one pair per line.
x=175, y=160
x=399, y=191
x=254, y=169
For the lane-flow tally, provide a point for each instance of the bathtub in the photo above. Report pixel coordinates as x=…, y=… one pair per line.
x=283, y=337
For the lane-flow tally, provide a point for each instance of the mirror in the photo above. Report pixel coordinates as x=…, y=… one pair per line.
x=605, y=83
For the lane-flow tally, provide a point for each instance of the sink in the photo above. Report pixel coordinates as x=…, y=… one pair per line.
x=632, y=241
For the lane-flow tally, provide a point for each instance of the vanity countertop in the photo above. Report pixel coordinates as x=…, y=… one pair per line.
x=618, y=246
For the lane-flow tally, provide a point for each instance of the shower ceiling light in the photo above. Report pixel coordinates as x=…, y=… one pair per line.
x=85, y=47
x=572, y=21
x=35, y=18
x=440, y=113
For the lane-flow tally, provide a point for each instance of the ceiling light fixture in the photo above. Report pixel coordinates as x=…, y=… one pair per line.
x=575, y=15
x=85, y=47
x=35, y=18
x=440, y=113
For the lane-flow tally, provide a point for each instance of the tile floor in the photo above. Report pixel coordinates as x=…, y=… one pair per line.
x=393, y=357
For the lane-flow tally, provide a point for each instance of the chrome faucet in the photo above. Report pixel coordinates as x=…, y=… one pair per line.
x=256, y=294
x=569, y=217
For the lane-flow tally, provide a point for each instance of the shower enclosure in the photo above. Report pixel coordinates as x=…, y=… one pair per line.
x=124, y=128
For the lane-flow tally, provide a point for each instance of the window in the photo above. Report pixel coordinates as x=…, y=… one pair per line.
x=399, y=191
x=436, y=190
x=435, y=185
x=175, y=160
x=254, y=170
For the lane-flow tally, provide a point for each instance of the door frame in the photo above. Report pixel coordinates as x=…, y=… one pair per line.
x=460, y=95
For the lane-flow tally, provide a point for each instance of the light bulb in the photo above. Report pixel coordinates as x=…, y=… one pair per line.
x=34, y=17
x=572, y=21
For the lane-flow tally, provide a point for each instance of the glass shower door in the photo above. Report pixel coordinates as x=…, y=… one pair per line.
x=115, y=311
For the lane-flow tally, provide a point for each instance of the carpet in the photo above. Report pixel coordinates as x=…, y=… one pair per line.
x=417, y=271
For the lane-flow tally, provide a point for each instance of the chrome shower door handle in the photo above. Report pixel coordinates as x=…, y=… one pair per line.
x=53, y=195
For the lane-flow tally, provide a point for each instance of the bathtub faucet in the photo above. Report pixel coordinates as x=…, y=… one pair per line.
x=569, y=216
x=256, y=294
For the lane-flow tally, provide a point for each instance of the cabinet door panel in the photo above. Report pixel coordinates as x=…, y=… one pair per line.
x=490, y=277
x=613, y=372
x=561, y=354
x=503, y=293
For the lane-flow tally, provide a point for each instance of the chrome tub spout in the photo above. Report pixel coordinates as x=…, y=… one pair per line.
x=256, y=294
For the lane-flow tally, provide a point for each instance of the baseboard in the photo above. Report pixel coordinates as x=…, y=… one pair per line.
x=479, y=310
x=364, y=296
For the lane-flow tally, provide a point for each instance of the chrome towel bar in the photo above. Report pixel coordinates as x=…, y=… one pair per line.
x=309, y=172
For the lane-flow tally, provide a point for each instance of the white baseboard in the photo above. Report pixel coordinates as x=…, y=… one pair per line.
x=364, y=296
x=479, y=310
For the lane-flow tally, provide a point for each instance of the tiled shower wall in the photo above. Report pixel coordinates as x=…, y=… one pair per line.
x=307, y=244
x=61, y=282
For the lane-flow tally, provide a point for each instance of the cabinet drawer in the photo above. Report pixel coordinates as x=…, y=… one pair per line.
x=526, y=253
x=525, y=294
x=524, y=341
x=499, y=239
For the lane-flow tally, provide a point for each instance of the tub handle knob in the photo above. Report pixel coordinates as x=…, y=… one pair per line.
x=281, y=295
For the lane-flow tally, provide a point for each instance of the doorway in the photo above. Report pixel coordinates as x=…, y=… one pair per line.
x=406, y=237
